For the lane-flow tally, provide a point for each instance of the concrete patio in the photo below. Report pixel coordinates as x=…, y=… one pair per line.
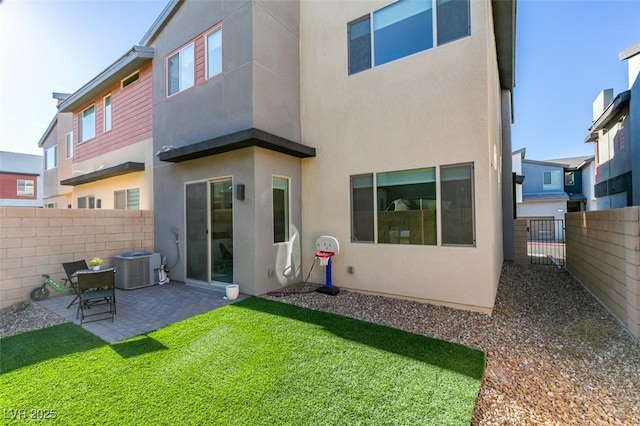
x=144, y=309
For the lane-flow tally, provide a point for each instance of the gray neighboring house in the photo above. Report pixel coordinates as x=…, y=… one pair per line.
x=615, y=132
x=20, y=180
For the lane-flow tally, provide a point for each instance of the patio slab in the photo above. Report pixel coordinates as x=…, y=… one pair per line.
x=144, y=309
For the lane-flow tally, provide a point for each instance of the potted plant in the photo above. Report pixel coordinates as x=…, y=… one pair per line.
x=95, y=263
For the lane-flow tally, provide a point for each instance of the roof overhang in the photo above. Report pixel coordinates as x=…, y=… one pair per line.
x=109, y=172
x=234, y=141
x=504, y=25
x=616, y=110
x=127, y=64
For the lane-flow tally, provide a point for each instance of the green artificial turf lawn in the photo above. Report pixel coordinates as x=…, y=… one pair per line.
x=256, y=362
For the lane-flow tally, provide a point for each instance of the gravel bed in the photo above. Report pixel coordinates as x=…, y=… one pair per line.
x=23, y=317
x=555, y=356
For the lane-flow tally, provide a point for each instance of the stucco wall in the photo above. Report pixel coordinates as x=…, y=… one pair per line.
x=37, y=241
x=603, y=252
x=418, y=111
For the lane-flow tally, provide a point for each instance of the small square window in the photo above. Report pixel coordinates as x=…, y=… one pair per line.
x=25, y=187
x=130, y=79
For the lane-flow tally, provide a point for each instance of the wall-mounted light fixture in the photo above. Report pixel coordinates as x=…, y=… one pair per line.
x=240, y=191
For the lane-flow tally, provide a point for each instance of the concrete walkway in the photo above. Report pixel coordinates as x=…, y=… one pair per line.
x=145, y=309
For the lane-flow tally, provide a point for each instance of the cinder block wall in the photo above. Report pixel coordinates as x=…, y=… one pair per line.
x=37, y=241
x=520, y=242
x=603, y=252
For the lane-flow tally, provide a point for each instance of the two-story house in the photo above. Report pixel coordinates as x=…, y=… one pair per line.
x=384, y=124
x=615, y=132
x=98, y=149
x=20, y=180
x=548, y=189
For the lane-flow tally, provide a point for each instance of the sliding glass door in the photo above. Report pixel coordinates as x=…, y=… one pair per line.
x=209, y=226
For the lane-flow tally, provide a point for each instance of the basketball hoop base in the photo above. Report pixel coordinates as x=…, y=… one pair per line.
x=331, y=291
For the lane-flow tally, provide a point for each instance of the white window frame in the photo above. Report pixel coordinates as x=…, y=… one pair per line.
x=28, y=187
x=179, y=53
x=54, y=150
x=555, y=184
x=216, y=29
x=107, y=124
x=81, y=126
x=128, y=80
x=69, y=142
x=126, y=194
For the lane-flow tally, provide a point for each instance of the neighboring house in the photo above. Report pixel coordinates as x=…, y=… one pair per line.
x=20, y=180
x=57, y=144
x=551, y=188
x=386, y=125
x=105, y=142
x=579, y=177
x=616, y=133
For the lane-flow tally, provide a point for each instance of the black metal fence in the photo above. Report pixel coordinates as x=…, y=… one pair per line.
x=545, y=242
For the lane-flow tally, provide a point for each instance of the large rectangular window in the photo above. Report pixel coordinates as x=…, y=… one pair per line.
x=404, y=28
x=128, y=199
x=214, y=53
x=25, y=187
x=180, y=70
x=107, y=113
x=551, y=180
x=69, y=145
x=404, y=204
x=456, y=200
x=87, y=124
x=280, y=209
x=401, y=29
x=362, y=216
x=51, y=158
x=407, y=207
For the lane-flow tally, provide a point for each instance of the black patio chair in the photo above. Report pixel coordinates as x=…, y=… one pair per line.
x=71, y=268
x=95, y=289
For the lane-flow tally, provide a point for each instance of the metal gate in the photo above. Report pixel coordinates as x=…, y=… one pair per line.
x=545, y=242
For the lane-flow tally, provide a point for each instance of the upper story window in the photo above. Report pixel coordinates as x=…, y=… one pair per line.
x=214, y=53
x=130, y=79
x=87, y=124
x=180, y=70
x=404, y=28
x=25, y=187
x=50, y=158
x=551, y=180
x=107, y=113
x=569, y=179
x=69, y=141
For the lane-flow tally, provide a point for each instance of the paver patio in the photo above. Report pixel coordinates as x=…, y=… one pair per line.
x=144, y=309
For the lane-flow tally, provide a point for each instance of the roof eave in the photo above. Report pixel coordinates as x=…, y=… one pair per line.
x=160, y=22
x=504, y=23
x=125, y=65
x=611, y=113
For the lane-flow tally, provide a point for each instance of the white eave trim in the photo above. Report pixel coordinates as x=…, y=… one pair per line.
x=125, y=65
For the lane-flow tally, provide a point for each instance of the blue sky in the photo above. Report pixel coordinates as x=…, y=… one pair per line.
x=566, y=53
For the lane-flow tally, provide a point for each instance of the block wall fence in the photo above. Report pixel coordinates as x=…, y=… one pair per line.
x=603, y=253
x=35, y=241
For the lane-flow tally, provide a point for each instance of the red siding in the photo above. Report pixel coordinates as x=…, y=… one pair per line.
x=9, y=186
x=131, y=118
